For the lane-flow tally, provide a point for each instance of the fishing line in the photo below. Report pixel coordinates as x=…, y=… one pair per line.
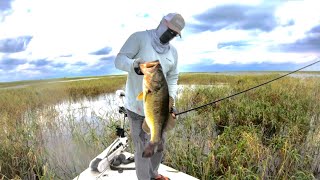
x=247, y=89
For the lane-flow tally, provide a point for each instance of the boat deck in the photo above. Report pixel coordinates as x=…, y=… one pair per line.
x=109, y=174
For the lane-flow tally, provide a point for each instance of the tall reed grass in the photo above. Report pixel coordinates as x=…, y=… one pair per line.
x=22, y=154
x=268, y=133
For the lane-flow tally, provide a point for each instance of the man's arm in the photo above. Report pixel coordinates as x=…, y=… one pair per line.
x=172, y=77
x=124, y=59
x=172, y=80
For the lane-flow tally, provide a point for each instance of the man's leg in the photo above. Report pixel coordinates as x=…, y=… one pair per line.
x=139, y=138
x=155, y=163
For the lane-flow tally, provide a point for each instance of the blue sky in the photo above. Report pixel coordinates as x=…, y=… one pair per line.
x=42, y=39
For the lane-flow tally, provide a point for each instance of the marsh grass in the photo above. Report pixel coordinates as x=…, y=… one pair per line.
x=262, y=134
x=22, y=150
x=268, y=133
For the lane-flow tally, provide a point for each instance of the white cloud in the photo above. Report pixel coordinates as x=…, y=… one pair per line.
x=73, y=27
x=191, y=49
x=257, y=56
x=305, y=15
x=23, y=67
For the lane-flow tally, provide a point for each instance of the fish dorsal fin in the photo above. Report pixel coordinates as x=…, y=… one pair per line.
x=140, y=96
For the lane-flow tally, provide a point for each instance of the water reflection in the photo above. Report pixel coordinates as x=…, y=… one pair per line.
x=105, y=107
x=75, y=132
x=305, y=75
x=91, y=110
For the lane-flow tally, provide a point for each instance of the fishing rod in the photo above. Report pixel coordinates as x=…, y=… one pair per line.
x=247, y=89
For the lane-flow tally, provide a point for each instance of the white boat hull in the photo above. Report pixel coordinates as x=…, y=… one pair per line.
x=131, y=174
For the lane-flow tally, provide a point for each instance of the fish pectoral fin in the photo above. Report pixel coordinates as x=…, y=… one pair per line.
x=140, y=96
x=145, y=127
x=170, y=123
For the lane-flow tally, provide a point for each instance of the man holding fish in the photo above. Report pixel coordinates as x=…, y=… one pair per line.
x=151, y=62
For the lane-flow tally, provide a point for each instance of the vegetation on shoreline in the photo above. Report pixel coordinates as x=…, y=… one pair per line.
x=268, y=133
x=21, y=151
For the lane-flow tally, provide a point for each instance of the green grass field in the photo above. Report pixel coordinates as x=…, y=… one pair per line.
x=272, y=132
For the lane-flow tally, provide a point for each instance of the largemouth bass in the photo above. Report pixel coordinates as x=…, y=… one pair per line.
x=155, y=97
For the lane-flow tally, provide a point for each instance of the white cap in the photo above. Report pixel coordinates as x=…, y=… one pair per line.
x=175, y=22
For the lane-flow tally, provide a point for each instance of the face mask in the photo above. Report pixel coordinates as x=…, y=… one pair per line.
x=167, y=36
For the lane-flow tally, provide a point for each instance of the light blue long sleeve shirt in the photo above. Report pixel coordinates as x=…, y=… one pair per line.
x=138, y=45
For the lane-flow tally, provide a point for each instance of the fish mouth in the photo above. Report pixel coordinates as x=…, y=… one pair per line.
x=149, y=66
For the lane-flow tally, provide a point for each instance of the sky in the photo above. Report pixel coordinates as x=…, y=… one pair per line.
x=41, y=39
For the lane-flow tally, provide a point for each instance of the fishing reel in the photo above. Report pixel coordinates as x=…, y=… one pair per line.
x=122, y=110
x=112, y=157
x=121, y=94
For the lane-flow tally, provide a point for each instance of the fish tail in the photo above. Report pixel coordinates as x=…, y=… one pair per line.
x=148, y=150
x=160, y=146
